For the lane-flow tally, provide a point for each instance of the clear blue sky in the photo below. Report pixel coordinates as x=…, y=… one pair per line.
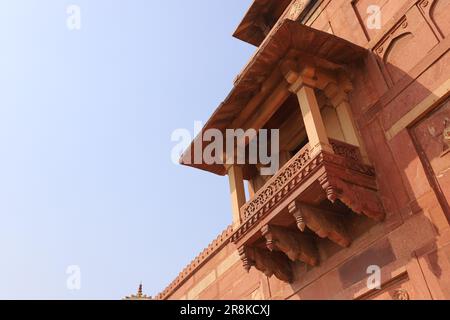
x=86, y=117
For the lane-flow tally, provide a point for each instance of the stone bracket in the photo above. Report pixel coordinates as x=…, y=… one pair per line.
x=324, y=223
x=360, y=199
x=296, y=246
x=270, y=263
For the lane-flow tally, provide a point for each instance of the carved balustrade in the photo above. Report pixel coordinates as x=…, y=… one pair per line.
x=283, y=219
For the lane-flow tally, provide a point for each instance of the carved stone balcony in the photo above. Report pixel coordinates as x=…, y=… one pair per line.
x=287, y=216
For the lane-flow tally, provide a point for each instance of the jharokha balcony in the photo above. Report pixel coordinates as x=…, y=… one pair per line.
x=324, y=194
x=309, y=197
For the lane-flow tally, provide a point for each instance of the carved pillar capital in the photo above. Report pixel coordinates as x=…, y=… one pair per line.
x=306, y=78
x=338, y=90
x=290, y=69
x=336, y=94
x=298, y=74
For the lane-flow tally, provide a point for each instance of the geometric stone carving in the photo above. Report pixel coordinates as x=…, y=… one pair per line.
x=322, y=222
x=278, y=185
x=361, y=200
x=346, y=150
x=297, y=246
x=270, y=263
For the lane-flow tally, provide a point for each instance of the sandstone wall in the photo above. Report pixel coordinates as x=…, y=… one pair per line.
x=400, y=108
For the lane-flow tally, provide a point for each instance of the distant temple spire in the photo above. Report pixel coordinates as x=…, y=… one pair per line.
x=139, y=296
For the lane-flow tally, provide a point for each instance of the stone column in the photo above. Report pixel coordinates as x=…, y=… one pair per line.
x=315, y=128
x=339, y=98
x=237, y=192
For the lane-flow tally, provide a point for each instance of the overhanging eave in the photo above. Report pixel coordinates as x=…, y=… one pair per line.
x=290, y=36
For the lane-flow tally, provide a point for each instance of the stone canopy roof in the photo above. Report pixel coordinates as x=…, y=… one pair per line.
x=261, y=15
x=288, y=36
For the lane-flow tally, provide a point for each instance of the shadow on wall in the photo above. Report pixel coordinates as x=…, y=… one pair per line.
x=404, y=119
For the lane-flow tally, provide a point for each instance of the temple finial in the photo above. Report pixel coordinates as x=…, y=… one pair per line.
x=139, y=293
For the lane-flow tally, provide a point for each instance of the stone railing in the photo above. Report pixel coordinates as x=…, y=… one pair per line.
x=291, y=175
x=277, y=186
x=346, y=150
x=280, y=183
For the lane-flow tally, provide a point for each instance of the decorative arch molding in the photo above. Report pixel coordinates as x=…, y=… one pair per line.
x=414, y=36
x=436, y=13
x=397, y=39
x=439, y=15
x=395, y=43
x=396, y=66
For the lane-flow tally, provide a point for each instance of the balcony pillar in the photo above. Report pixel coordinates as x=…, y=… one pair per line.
x=315, y=128
x=237, y=192
x=349, y=128
x=339, y=98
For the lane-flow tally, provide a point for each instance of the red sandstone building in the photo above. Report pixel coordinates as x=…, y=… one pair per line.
x=364, y=117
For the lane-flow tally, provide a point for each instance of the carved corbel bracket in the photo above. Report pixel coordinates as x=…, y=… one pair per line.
x=290, y=69
x=335, y=94
x=324, y=223
x=296, y=246
x=359, y=199
x=338, y=91
x=244, y=254
x=270, y=263
x=298, y=74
